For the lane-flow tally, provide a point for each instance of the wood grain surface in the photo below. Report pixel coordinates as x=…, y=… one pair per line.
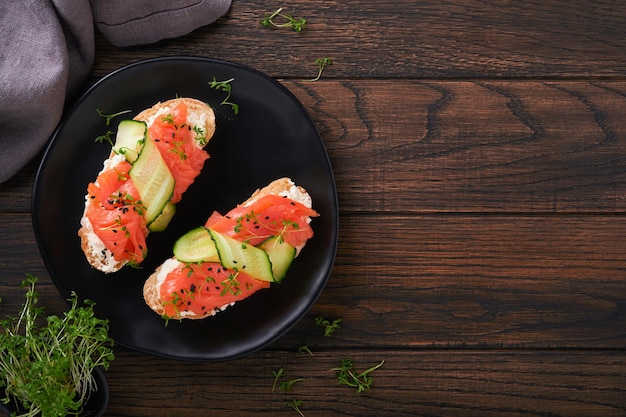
x=479, y=151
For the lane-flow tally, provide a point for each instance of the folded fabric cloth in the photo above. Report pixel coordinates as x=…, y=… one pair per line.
x=47, y=51
x=148, y=21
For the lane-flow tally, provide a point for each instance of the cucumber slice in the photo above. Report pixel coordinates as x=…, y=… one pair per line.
x=196, y=246
x=153, y=180
x=281, y=255
x=243, y=257
x=160, y=223
x=130, y=137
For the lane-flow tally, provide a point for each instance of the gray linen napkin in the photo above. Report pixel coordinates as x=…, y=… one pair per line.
x=47, y=50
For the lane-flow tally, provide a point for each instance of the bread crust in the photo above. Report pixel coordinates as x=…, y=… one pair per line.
x=100, y=259
x=151, y=290
x=151, y=293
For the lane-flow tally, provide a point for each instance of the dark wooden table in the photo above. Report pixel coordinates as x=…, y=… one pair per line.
x=479, y=150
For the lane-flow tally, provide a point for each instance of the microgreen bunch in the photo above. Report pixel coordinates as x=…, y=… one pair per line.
x=278, y=19
x=346, y=375
x=226, y=87
x=48, y=369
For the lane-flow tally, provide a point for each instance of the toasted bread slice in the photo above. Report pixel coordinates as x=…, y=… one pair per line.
x=200, y=115
x=151, y=290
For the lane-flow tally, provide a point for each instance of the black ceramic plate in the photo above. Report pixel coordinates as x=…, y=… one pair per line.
x=271, y=137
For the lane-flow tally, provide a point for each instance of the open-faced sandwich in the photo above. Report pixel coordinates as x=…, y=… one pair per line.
x=234, y=255
x=155, y=158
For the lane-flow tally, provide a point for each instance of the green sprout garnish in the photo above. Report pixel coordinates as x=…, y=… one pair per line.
x=226, y=87
x=321, y=64
x=329, y=327
x=346, y=375
x=109, y=117
x=286, y=21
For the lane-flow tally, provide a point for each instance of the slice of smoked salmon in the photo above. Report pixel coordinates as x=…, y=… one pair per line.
x=176, y=141
x=270, y=215
x=204, y=287
x=115, y=212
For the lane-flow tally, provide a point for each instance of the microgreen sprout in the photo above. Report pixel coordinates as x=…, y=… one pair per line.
x=284, y=385
x=277, y=375
x=226, y=87
x=109, y=117
x=321, y=64
x=168, y=119
x=200, y=135
x=106, y=138
x=295, y=405
x=346, y=375
x=278, y=19
x=329, y=327
x=287, y=385
x=305, y=349
x=179, y=149
x=231, y=285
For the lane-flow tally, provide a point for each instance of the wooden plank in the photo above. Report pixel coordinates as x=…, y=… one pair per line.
x=484, y=146
x=18, y=248
x=408, y=39
x=410, y=383
x=16, y=192
x=19, y=255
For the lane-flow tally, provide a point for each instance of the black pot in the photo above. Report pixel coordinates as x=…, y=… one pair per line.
x=94, y=407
